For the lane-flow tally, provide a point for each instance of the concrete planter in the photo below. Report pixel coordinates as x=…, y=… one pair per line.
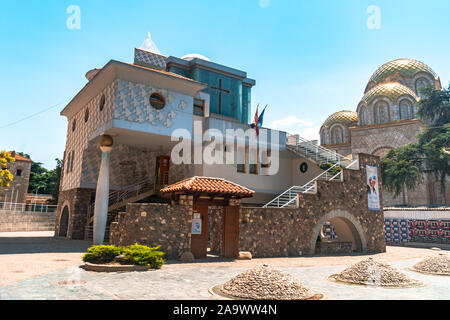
x=114, y=268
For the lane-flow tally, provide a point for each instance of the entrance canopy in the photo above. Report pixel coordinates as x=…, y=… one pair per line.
x=208, y=186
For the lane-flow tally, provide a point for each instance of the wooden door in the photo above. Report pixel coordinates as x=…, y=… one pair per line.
x=199, y=242
x=162, y=170
x=231, y=232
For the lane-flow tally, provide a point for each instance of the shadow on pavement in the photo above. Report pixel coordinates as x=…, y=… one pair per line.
x=37, y=244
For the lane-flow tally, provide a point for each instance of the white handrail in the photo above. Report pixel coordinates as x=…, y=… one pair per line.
x=302, y=189
x=27, y=207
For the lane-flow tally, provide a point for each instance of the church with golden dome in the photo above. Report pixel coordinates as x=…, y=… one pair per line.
x=386, y=118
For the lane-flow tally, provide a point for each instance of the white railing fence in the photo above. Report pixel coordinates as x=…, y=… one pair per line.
x=27, y=207
x=288, y=197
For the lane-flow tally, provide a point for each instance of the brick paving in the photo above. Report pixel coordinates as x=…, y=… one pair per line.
x=50, y=270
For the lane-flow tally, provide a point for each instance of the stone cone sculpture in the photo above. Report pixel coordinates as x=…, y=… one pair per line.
x=266, y=283
x=371, y=272
x=436, y=265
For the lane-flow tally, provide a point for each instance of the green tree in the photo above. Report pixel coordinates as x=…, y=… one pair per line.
x=404, y=167
x=5, y=176
x=42, y=180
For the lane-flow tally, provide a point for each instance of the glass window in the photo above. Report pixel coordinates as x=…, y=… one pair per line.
x=199, y=107
x=406, y=111
x=19, y=173
x=420, y=84
x=265, y=159
x=86, y=115
x=102, y=103
x=241, y=160
x=157, y=101
x=381, y=112
x=337, y=136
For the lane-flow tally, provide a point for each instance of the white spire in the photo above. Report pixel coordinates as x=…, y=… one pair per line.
x=149, y=45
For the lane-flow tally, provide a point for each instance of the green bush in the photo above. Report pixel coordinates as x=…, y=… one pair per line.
x=136, y=254
x=334, y=171
x=144, y=256
x=102, y=254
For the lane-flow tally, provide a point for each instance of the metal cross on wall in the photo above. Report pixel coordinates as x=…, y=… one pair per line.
x=221, y=90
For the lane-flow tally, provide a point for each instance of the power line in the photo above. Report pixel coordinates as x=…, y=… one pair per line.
x=33, y=115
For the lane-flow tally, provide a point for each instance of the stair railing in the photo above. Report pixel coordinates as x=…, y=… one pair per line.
x=128, y=192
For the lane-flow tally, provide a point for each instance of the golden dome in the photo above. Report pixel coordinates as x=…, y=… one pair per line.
x=407, y=68
x=344, y=117
x=391, y=90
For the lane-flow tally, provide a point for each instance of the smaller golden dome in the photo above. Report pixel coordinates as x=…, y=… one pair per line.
x=344, y=117
x=391, y=90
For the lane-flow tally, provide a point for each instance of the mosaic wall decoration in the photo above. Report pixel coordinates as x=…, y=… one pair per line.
x=132, y=104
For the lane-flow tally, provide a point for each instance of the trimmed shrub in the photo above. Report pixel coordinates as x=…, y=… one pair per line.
x=135, y=254
x=102, y=254
x=145, y=256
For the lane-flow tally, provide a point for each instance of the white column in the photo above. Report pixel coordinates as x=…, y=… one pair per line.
x=102, y=196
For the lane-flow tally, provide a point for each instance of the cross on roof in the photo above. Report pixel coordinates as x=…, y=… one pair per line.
x=221, y=90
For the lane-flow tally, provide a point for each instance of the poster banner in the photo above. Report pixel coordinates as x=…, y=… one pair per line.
x=196, y=226
x=373, y=193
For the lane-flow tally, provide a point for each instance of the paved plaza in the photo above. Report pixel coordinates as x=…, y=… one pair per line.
x=51, y=270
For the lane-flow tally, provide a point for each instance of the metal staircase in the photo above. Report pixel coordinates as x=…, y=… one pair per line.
x=118, y=199
x=288, y=198
x=316, y=153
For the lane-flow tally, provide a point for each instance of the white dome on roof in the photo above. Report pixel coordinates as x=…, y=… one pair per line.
x=149, y=45
x=192, y=56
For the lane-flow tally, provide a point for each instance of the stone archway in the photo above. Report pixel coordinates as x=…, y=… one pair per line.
x=347, y=228
x=64, y=222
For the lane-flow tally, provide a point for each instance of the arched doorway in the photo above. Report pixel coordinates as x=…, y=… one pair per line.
x=64, y=222
x=348, y=233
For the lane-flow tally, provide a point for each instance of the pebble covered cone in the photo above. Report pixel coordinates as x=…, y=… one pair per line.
x=371, y=272
x=266, y=283
x=439, y=264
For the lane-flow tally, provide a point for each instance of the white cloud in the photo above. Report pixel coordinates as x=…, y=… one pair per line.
x=294, y=125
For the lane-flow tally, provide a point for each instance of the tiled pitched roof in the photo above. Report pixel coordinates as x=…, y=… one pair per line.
x=18, y=157
x=209, y=185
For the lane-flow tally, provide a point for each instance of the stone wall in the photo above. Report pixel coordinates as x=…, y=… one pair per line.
x=77, y=201
x=26, y=221
x=333, y=247
x=268, y=232
x=154, y=224
x=215, y=219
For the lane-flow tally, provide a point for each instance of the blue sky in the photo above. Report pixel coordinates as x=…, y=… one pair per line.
x=309, y=58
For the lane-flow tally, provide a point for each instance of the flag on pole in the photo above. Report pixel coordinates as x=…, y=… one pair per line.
x=255, y=124
x=258, y=121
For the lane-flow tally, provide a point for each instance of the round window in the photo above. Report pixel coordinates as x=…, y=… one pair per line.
x=157, y=101
x=303, y=167
x=102, y=103
x=86, y=115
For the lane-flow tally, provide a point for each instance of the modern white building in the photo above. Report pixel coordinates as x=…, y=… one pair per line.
x=135, y=110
